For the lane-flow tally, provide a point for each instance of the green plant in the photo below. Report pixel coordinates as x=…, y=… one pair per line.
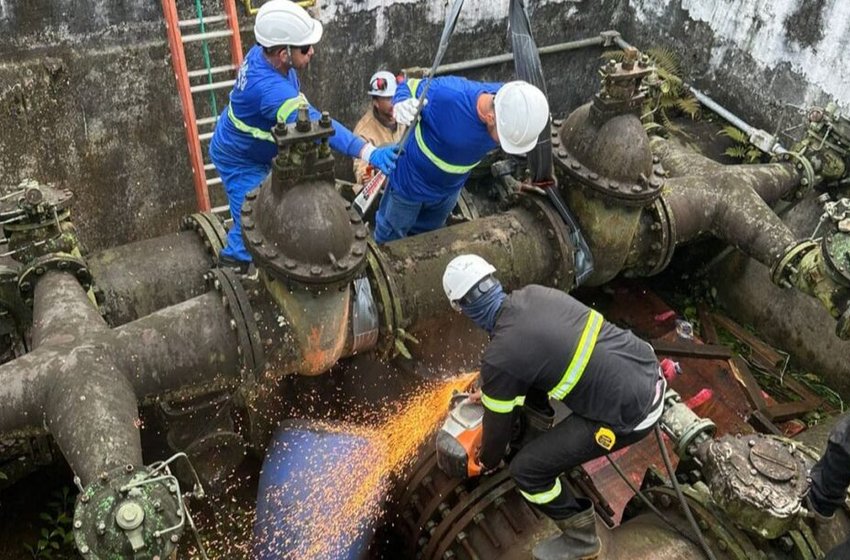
x=668, y=95
x=742, y=149
x=56, y=536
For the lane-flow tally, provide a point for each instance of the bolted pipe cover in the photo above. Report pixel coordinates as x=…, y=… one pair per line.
x=305, y=232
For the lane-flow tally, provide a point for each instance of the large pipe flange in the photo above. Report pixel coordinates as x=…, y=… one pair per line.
x=130, y=512
x=63, y=262
x=558, y=234
x=660, y=224
x=235, y=300
x=805, y=168
x=391, y=333
x=786, y=269
x=210, y=228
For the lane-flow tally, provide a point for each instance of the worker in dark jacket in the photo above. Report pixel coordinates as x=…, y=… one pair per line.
x=543, y=341
x=830, y=479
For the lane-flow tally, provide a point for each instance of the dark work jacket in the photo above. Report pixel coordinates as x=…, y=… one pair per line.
x=534, y=347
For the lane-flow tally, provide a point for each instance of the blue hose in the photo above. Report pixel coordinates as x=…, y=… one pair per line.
x=302, y=489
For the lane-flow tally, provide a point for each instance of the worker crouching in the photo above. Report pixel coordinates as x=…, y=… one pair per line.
x=544, y=344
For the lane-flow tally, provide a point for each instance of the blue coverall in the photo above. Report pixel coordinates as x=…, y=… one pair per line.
x=242, y=147
x=448, y=142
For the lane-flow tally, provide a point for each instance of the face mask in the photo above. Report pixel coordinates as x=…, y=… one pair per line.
x=483, y=309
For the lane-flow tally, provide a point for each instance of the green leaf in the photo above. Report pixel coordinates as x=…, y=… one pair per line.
x=689, y=105
x=665, y=58
x=735, y=134
x=45, y=533
x=736, y=152
x=54, y=544
x=45, y=517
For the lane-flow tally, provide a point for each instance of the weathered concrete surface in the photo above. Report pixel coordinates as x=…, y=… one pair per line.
x=758, y=57
x=88, y=102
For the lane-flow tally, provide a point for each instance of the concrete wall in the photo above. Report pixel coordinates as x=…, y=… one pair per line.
x=761, y=58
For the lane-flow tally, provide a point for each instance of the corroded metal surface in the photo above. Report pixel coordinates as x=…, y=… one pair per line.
x=759, y=482
x=139, y=278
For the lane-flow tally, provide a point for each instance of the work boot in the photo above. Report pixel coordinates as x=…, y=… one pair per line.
x=577, y=541
x=826, y=528
x=239, y=267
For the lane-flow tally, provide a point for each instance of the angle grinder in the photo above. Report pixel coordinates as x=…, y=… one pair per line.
x=459, y=439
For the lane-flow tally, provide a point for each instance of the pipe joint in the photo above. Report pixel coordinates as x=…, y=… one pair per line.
x=235, y=300
x=210, y=229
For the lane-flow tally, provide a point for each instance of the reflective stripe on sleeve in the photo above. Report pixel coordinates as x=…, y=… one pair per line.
x=501, y=407
x=286, y=109
x=412, y=85
x=290, y=106
x=544, y=497
x=586, y=343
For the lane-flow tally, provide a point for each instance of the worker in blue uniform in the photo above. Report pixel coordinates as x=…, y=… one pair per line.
x=266, y=92
x=460, y=122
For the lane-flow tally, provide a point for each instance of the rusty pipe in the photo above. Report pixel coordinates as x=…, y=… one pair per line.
x=525, y=245
x=730, y=202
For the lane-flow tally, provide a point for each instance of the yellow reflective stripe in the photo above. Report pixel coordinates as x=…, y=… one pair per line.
x=290, y=106
x=286, y=109
x=412, y=84
x=247, y=129
x=544, y=497
x=501, y=407
x=580, y=358
x=444, y=165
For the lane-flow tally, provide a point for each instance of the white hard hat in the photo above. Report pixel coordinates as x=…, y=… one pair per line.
x=282, y=22
x=382, y=84
x=463, y=273
x=522, y=112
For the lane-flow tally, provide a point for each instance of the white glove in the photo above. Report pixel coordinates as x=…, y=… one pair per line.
x=405, y=111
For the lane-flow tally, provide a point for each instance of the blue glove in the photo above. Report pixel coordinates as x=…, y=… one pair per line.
x=384, y=158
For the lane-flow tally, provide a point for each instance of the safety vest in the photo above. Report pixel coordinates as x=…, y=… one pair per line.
x=286, y=109
x=572, y=375
x=441, y=164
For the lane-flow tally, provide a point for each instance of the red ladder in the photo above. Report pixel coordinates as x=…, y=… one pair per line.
x=204, y=174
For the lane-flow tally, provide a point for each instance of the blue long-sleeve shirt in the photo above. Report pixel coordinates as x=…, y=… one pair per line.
x=260, y=98
x=450, y=130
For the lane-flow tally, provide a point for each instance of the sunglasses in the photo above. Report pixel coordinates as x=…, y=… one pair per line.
x=475, y=292
x=305, y=49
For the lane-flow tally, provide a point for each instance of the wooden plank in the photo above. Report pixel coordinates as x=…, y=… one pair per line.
x=708, y=331
x=786, y=411
x=763, y=424
x=688, y=349
x=765, y=353
x=745, y=377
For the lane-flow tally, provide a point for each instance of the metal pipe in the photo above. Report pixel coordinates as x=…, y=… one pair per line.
x=450, y=68
x=142, y=277
x=730, y=202
x=91, y=412
x=188, y=345
x=60, y=315
x=519, y=243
